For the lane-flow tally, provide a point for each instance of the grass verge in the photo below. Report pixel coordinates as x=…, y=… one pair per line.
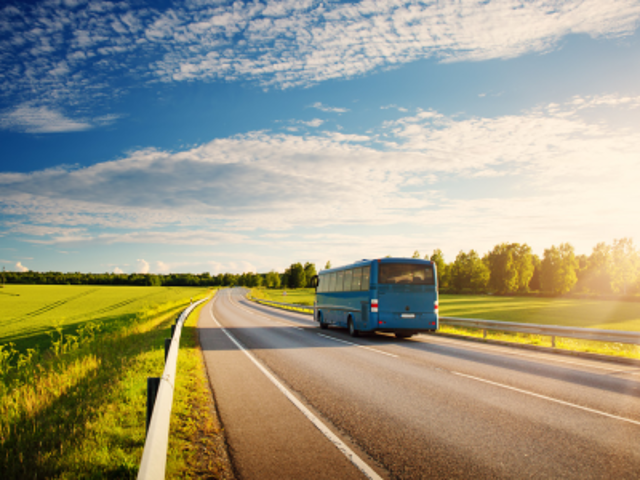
x=197, y=447
x=79, y=411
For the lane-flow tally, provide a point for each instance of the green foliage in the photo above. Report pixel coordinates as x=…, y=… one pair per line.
x=625, y=265
x=309, y=273
x=441, y=267
x=469, y=273
x=511, y=268
x=327, y=265
x=297, y=277
x=416, y=254
x=272, y=280
x=558, y=269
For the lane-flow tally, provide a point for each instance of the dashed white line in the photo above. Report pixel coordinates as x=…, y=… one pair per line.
x=339, y=444
x=357, y=345
x=551, y=399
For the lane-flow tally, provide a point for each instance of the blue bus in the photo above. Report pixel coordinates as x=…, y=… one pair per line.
x=394, y=295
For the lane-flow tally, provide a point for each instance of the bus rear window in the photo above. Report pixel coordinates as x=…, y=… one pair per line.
x=406, y=274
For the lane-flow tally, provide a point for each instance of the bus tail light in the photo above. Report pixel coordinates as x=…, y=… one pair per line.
x=435, y=306
x=374, y=305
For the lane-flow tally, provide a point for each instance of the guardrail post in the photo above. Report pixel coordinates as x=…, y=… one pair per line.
x=553, y=341
x=484, y=333
x=153, y=384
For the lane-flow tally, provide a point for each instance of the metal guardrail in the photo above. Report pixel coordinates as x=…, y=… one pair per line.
x=552, y=331
x=154, y=457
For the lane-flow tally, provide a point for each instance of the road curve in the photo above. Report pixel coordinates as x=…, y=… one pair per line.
x=430, y=407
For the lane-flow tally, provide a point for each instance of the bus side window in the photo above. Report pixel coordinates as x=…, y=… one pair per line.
x=365, y=278
x=322, y=283
x=339, y=281
x=332, y=282
x=356, y=284
x=348, y=276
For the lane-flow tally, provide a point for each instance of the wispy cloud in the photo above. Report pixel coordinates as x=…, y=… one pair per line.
x=559, y=168
x=325, y=108
x=40, y=120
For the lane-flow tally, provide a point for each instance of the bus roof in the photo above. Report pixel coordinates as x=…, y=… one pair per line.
x=365, y=262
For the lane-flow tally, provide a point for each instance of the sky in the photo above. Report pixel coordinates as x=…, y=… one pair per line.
x=215, y=136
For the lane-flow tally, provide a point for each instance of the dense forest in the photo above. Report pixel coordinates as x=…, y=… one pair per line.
x=508, y=269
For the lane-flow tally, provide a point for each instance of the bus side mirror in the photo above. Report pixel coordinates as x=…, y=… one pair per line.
x=315, y=281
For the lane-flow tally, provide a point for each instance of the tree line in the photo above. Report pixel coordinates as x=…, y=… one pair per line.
x=512, y=268
x=296, y=276
x=509, y=268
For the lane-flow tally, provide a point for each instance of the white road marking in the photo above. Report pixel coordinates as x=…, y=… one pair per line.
x=339, y=444
x=268, y=317
x=357, y=345
x=551, y=399
x=538, y=356
x=319, y=334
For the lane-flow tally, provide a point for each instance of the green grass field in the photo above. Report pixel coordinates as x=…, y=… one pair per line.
x=78, y=410
x=31, y=312
x=588, y=313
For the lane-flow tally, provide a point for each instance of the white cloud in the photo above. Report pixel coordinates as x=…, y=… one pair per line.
x=142, y=266
x=21, y=268
x=557, y=171
x=316, y=122
x=118, y=271
x=63, y=53
x=40, y=120
x=325, y=108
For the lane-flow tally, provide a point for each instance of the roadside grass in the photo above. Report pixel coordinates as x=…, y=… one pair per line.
x=300, y=296
x=197, y=447
x=571, y=312
x=31, y=313
x=78, y=410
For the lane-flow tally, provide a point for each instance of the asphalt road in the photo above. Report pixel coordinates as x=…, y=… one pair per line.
x=428, y=407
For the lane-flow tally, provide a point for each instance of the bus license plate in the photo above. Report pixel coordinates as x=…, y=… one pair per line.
x=408, y=315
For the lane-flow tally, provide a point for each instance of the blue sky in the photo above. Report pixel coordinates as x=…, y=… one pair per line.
x=245, y=136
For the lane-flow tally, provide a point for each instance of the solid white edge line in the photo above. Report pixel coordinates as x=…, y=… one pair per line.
x=551, y=399
x=357, y=345
x=339, y=444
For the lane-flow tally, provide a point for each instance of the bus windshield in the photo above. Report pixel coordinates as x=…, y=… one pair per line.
x=406, y=274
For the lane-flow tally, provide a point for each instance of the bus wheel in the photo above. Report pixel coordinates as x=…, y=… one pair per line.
x=403, y=335
x=352, y=329
x=323, y=325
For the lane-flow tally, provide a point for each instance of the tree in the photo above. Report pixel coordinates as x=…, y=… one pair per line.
x=327, y=265
x=272, y=280
x=297, y=278
x=416, y=254
x=441, y=266
x=625, y=265
x=469, y=273
x=558, y=269
x=309, y=272
x=511, y=267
